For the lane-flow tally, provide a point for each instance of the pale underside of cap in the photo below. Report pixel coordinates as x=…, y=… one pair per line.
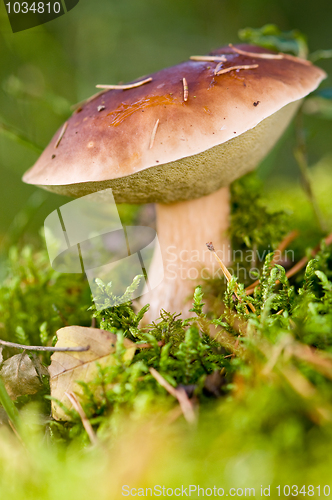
x=227, y=125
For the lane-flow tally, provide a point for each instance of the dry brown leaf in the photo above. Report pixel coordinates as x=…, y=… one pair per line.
x=21, y=375
x=67, y=368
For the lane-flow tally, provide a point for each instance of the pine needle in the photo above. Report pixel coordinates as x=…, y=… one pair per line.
x=124, y=87
x=233, y=68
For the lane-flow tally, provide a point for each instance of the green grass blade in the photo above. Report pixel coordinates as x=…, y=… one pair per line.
x=9, y=406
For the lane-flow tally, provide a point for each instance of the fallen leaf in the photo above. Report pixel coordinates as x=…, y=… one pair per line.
x=69, y=368
x=21, y=375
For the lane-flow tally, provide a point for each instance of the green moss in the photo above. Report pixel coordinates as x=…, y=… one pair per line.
x=262, y=406
x=35, y=300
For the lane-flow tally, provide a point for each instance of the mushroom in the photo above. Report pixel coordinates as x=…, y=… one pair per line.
x=178, y=139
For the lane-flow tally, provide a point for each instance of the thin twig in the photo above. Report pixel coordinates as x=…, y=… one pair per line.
x=220, y=58
x=153, y=135
x=42, y=348
x=232, y=68
x=124, y=87
x=85, y=421
x=266, y=55
x=62, y=133
x=179, y=394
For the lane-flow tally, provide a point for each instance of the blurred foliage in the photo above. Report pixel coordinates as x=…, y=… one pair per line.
x=292, y=198
x=271, y=37
x=35, y=300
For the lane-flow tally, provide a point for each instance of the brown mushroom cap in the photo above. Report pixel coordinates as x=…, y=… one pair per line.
x=199, y=144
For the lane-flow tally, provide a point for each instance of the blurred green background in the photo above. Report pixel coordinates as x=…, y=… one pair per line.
x=46, y=69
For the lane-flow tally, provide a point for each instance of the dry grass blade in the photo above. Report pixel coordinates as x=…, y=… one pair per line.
x=220, y=262
x=227, y=273
x=307, y=391
x=62, y=133
x=275, y=353
x=86, y=424
x=233, y=68
x=153, y=135
x=320, y=360
x=317, y=409
x=220, y=58
x=179, y=394
x=281, y=247
x=303, y=262
x=124, y=87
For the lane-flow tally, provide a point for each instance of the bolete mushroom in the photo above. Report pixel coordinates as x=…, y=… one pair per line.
x=178, y=139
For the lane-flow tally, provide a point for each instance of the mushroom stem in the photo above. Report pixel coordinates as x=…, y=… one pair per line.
x=183, y=229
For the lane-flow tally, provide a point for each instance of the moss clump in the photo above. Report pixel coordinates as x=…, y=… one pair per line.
x=35, y=300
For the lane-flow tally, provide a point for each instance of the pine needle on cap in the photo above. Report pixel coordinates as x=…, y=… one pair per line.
x=185, y=89
x=218, y=68
x=124, y=87
x=62, y=133
x=220, y=58
x=233, y=68
x=266, y=55
x=153, y=135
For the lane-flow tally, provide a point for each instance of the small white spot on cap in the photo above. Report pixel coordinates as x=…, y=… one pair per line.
x=223, y=127
x=91, y=144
